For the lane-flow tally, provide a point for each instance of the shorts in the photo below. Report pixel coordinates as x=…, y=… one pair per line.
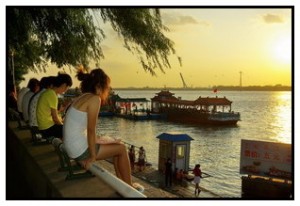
x=197, y=179
x=141, y=162
x=86, y=153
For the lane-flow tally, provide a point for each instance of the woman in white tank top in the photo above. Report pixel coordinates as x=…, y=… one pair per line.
x=79, y=132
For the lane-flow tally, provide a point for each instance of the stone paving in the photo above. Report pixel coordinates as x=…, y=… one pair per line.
x=151, y=190
x=153, y=181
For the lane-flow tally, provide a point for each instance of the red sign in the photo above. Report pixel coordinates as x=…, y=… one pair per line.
x=266, y=159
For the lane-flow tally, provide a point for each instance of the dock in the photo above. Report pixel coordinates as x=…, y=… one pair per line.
x=154, y=180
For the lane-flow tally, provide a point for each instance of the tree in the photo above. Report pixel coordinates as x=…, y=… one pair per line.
x=72, y=36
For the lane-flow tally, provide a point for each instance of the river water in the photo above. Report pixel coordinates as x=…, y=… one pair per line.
x=265, y=116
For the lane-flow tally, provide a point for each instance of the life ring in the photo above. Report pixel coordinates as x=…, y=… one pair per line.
x=189, y=177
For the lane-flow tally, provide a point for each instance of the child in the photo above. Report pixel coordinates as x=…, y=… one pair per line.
x=198, y=174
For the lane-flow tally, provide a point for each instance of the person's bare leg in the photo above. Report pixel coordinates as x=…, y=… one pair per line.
x=122, y=160
x=118, y=174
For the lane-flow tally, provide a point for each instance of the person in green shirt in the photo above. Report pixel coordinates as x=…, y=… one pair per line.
x=49, y=121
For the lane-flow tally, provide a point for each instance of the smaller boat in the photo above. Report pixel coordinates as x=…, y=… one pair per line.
x=107, y=110
x=134, y=109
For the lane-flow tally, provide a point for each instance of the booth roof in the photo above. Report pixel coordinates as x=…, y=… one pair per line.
x=174, y=137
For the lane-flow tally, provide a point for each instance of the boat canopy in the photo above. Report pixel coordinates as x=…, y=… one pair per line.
x=206, y=101
x=212, y=101
x=165, y=93
x=132, y=100
x=167, y=97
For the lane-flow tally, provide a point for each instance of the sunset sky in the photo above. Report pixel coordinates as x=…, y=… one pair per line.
x=215, y=45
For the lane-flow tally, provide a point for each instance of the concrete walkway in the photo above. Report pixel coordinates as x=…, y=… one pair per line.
x=151, y=190
x=154, y=183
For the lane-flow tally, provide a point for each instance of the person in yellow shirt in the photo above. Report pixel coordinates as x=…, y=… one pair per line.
x=50, y=123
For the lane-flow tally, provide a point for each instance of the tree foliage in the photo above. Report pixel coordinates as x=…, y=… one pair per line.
x=71, y=36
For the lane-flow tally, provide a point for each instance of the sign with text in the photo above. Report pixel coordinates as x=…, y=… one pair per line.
x=268, y=159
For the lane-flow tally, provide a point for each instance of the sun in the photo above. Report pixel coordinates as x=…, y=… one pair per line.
x=282, y=50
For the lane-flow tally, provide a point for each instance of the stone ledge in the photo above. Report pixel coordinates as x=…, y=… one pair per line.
x=40, y=167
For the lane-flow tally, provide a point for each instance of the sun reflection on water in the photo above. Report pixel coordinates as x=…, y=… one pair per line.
x=283, y=119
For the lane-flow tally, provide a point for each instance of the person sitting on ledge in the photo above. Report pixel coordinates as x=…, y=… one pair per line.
x=49, y=121
x=79, y=130
x=34, y=87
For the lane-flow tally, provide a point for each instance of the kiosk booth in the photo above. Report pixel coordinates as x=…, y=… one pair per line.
x=175, y=146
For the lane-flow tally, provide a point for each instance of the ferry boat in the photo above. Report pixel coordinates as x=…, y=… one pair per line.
x=204, y=110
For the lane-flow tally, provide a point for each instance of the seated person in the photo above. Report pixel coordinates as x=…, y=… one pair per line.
x=80, y=139
x=50, y=123
x=34, y=87
x=21, y=94
x=11, y=102
x=45, y=83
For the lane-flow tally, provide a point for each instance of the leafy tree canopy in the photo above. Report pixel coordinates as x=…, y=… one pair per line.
x=72, y=36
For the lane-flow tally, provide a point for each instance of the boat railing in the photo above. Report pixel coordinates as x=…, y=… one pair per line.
x=225, y=115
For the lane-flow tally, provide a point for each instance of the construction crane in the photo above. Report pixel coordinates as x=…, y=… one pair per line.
x=241, y=73
x=183, y=82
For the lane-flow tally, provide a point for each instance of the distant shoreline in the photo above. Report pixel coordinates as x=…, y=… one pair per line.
x=219, y=88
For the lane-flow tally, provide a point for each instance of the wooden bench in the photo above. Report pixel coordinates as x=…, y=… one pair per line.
x=74, y=169
x=37, y=137
x=38, y=165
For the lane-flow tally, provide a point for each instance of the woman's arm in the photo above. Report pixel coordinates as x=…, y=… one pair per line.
x=56, y=118
x=52, y=100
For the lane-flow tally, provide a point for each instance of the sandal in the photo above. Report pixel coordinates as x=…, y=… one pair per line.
x=138, y=187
